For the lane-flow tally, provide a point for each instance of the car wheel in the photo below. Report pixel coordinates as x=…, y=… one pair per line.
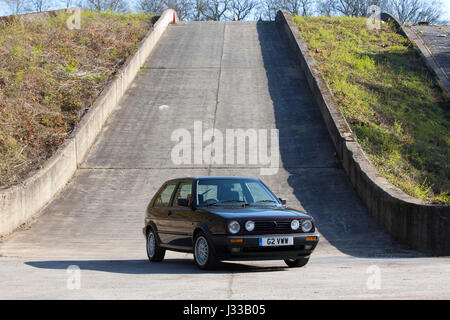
x=154, y=252
x=296, y=263
x=204, y=256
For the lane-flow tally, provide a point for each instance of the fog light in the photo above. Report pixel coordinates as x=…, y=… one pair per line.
x=235, y=250
x=308, y=247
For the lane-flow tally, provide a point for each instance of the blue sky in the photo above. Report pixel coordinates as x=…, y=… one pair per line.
x=447, y=6
x=4, y=10
x=447, y=10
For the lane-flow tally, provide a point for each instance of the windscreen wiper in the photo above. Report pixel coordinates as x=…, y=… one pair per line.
x=236, y=201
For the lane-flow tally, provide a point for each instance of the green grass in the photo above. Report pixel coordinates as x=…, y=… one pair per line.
x=395, y=108
x=50, y=75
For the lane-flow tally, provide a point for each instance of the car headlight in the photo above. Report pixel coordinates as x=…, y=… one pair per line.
x=249, y=226
x=295, y=224
x=234, y=227
x=307, y=225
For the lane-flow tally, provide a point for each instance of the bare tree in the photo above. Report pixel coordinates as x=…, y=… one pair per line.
x=106, y=5
x=407, y=11
x=39, y=5
x=269, y=8
x=240, y=9
x=68, y=3
x=353, y=8
x=15, y=6
x=432, y=13
x=182, y=7
x=197, y=9
x=299, y=7
x=325, y=7
x=414, y=11
x=151, y=6
x=213, y=9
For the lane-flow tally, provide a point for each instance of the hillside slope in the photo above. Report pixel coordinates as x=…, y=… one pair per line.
x=395, y=108
x=50, y=75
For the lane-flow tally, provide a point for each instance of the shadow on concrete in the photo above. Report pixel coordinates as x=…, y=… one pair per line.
x=315, y=175
x=168, y=266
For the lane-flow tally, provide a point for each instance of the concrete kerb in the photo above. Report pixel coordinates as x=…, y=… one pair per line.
x=422, y=226
x=22, y=202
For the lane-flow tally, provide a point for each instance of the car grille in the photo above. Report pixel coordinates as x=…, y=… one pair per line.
x=273, y=225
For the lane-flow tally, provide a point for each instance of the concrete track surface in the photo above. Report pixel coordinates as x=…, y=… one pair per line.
x=436, y=40
x=228, y=75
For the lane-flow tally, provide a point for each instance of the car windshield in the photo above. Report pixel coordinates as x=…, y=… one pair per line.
x=233, y=192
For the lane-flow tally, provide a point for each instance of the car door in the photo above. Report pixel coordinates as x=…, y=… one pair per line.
x=161, y=211
x=182, y=217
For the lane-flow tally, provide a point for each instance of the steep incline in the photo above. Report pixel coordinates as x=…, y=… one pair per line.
x=228, y=76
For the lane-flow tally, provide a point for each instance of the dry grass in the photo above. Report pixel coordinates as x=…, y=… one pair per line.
x=49, y=77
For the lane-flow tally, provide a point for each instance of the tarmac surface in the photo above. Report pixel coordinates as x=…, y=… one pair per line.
x=224, y=75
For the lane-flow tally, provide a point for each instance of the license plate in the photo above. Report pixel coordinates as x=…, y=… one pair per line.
x=276, y=241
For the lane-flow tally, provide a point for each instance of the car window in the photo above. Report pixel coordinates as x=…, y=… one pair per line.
x=232, y=191
x=257, y=191
x=206, y=192
x=163, y=199
x=184, y=192
x=236, y=190
x=219, y=190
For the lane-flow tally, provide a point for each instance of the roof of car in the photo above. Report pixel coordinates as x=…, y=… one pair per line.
x=214, y=178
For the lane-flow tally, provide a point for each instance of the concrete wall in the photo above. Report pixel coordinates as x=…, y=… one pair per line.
x=422, y=226
x=20, y=203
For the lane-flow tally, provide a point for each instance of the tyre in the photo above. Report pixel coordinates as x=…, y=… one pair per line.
x=204, y=256
x=154, y=252
x=296, y=263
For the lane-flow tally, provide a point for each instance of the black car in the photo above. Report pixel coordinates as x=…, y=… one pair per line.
x=226, y=218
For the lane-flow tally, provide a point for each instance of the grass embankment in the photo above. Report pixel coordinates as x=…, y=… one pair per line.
x=396, y=110
x=50, y=75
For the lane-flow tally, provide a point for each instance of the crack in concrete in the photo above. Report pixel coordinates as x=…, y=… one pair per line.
x=217, y=96
x=230, y=285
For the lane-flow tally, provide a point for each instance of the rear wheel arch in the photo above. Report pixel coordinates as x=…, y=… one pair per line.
x=151, y=226
x=154, y=252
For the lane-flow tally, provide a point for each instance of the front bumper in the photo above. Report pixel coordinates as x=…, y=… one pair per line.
x=249, y=248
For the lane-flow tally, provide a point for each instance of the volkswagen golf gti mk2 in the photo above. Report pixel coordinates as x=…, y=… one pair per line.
x=226, y=218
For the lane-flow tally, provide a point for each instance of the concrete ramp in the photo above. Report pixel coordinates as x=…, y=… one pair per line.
x=226, y=75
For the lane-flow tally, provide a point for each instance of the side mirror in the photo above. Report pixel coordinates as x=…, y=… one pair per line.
x=283, y=201
x=183, y=202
